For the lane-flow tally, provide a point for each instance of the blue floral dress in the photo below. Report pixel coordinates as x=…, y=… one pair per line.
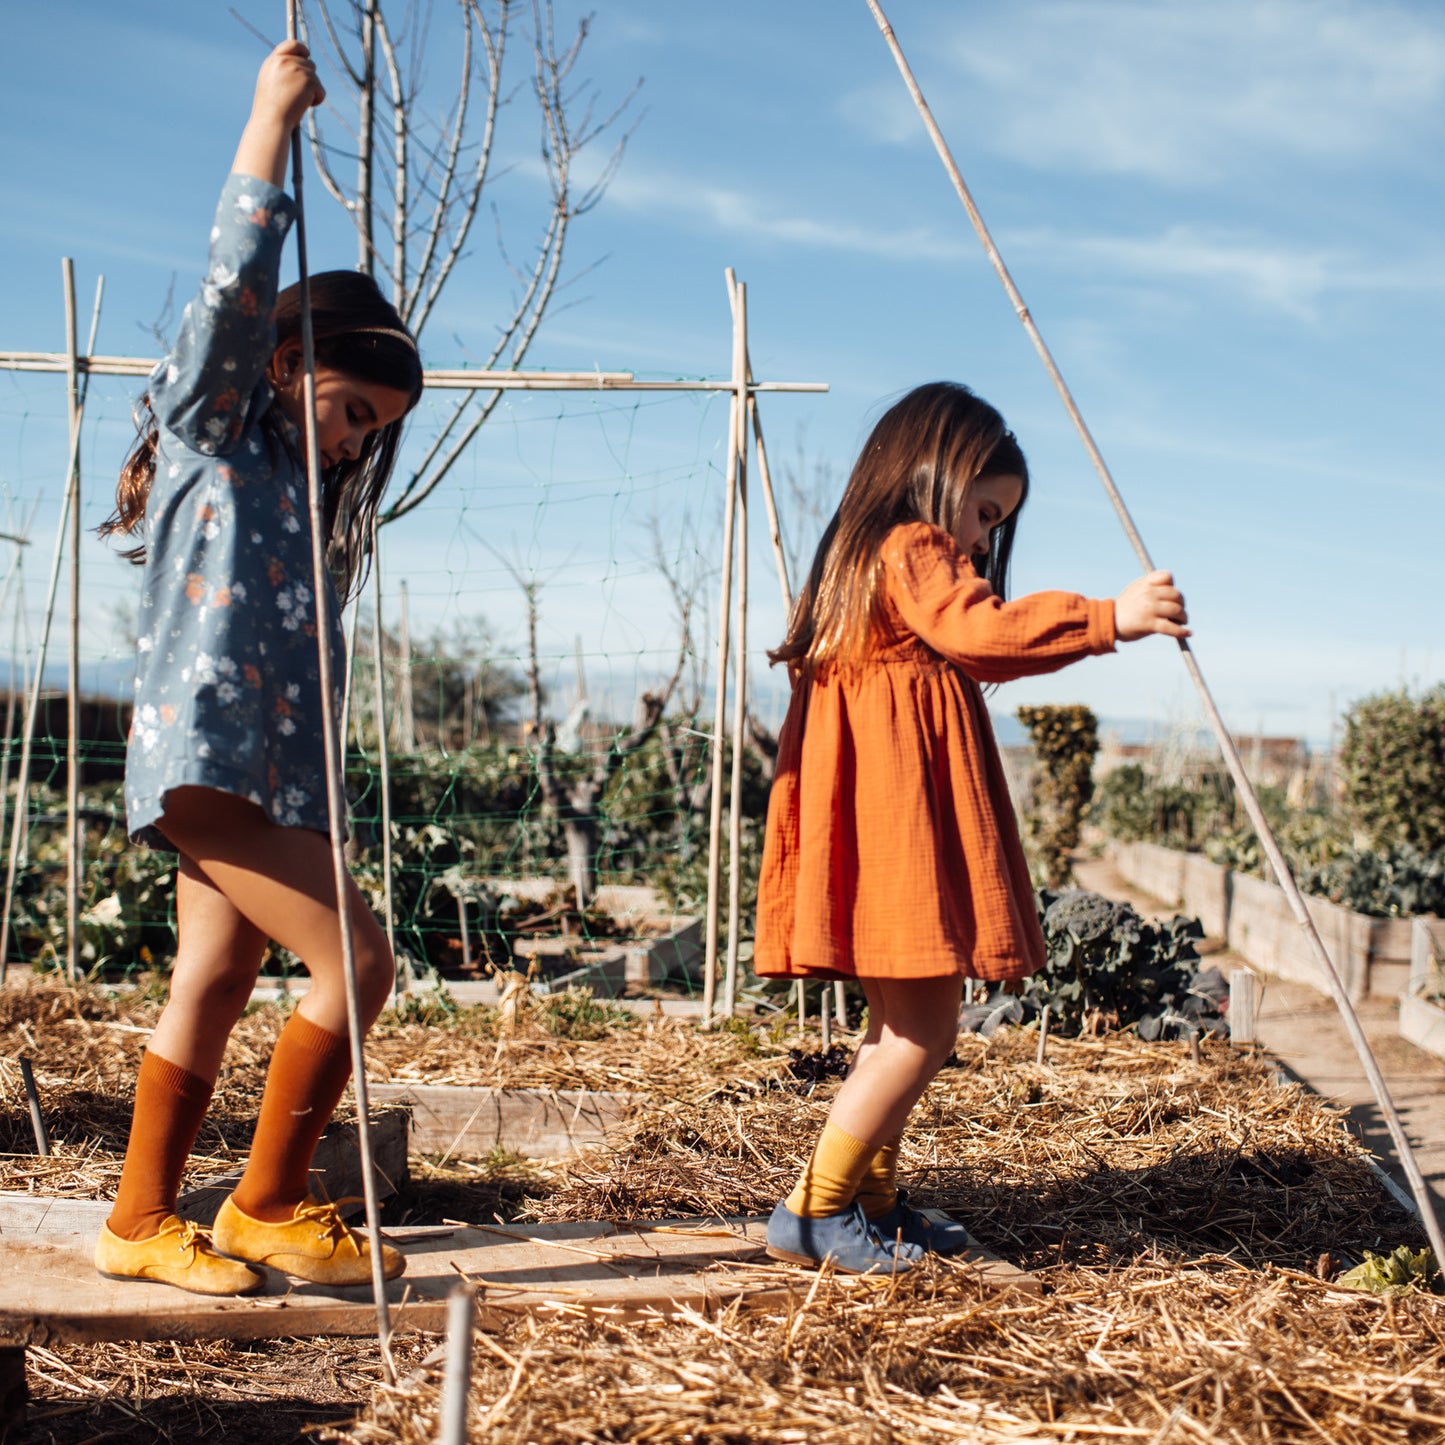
x=228, y=689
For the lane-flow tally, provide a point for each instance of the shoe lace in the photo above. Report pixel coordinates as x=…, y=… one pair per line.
x=189, y=1234
x=326, y=1214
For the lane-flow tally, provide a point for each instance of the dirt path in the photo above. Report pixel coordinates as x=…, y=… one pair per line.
x=1303, y=1030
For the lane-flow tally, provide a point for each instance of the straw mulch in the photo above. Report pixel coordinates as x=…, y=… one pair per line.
x=1154, y=1353
x=1185, y=1222
x=85, y=1045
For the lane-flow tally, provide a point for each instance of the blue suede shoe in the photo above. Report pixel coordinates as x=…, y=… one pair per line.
x=918, y=1229
x=854, y=1245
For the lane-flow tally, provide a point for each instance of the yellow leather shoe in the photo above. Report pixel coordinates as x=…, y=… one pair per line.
x=179, y=1254
x=315, y=1244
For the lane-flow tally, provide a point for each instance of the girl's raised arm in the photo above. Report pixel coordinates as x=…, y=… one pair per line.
x=285, y=89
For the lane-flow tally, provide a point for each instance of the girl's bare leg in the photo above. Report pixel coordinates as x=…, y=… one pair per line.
x=280, y=882
x=916, y=1022
x=217, y=960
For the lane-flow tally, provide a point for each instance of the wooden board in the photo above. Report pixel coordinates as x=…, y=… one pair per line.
x=536, y=1123
x=335, y=1173
x=51, y=1294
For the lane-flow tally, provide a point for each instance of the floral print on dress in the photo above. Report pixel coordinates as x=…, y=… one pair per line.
x=228, y=689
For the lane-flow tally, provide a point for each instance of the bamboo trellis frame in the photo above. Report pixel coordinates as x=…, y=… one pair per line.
x=1423, y=1200
x=88, y=364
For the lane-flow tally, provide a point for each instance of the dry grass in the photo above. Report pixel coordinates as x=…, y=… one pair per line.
x=1186, y=1222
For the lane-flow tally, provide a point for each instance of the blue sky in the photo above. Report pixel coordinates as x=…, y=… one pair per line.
x=1226, y=220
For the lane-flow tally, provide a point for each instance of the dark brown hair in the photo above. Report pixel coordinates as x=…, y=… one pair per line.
x=357, y=332
x=918, y=465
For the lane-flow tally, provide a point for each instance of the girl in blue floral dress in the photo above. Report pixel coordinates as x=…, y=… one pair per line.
x=225, y=764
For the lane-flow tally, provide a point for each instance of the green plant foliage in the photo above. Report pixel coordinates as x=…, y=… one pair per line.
x=1065, y=741
x=1404, y=1271
x=1392, y=765
x=1108, y=968
x=1396, y=883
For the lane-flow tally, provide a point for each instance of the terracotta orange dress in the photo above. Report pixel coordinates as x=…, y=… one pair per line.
x=892, y=848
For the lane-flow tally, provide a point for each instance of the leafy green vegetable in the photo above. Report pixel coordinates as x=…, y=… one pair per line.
x=1406, y=1270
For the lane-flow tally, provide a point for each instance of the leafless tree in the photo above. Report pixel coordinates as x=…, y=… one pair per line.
x=421, y=178
x=576, y=801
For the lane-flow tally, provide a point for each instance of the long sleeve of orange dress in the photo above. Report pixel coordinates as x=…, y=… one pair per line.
x=892, y=848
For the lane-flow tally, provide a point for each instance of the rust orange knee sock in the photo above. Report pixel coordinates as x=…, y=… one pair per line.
x=878, y=1191
x=830, y=1182
x=308, y=1074
x=170, y=1103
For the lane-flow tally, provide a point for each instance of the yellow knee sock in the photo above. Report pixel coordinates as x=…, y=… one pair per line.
x=830, y=1181
x=878, y=1190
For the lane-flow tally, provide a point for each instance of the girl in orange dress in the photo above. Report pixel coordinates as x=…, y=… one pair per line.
x=892, y=853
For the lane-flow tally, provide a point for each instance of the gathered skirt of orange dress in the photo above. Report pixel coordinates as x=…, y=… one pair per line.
x=892, y=846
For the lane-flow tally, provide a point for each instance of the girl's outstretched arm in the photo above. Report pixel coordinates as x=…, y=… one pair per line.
x=1151, y=604
x=286, y=88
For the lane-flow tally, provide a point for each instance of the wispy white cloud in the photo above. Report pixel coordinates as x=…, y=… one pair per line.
x=1272, y=274
x=719, y=207
x=1183, y=93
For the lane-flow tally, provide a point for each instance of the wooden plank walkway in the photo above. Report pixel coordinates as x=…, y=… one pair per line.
x=51, y=1294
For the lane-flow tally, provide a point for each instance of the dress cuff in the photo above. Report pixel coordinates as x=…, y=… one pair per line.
x=1101, y=624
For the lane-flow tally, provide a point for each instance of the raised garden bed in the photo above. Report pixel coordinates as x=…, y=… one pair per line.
x=1422, y=1005
x=1255, y=920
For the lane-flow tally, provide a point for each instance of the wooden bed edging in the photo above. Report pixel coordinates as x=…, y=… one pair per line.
x=1254, y=919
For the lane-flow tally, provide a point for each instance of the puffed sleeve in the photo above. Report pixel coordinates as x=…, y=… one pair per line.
x=206, y=388
x=934, y=592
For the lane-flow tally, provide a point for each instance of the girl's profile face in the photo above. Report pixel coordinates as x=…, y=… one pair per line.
x=348, y=409
x=990, y=500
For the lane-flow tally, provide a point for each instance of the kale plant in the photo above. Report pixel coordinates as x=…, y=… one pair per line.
x=1108, y=968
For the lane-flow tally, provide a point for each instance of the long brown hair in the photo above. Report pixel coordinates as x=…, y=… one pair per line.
x=918, y=465
x=357, y=332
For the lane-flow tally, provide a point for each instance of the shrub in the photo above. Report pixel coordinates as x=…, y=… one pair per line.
x=1392, y=766
x=1065, y=741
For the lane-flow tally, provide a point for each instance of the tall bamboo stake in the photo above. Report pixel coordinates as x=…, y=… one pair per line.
x=383, y=752
x=14, y=580
x=714, y=825
x=335, y=797
x=22, y=810
x=72, y=702
x=740, y=700
x=1423, y=1201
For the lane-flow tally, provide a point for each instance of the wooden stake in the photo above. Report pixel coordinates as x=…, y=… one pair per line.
x=1043, y=1035
x=335, y=794
x=1424, y=1200
x=457, y=1380
x=840, y=1004
x=73, y=840
x=466, y=942
x=825, y=1019
x=37, y=1119
x=739, y=294
x=22, y=809
x=383, y=752
x=714, y=826
x=1242, y=1004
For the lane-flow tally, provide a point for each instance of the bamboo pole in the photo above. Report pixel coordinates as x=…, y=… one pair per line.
x=439, y=379
x=740, y=700
x=1423, y=1200
x=335, y=795
x=14, y=580
x=27, y=742
x=457, y=1378
x=714, y=825
x=383, y=752
x=72, y=701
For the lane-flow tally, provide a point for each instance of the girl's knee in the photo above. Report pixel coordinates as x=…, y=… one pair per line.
x=375, y=976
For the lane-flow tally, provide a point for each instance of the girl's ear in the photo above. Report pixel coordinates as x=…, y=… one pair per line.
x=285, y=363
